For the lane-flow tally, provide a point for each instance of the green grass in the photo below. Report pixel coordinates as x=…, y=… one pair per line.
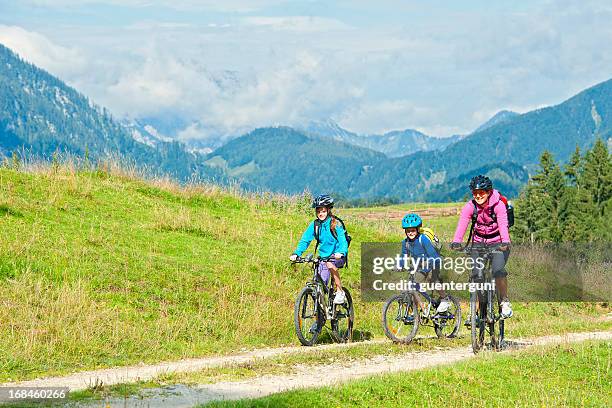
x=563, y=375
x=100, y=269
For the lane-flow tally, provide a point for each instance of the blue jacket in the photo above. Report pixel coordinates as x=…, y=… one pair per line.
x=421, y=250
x=328, y=245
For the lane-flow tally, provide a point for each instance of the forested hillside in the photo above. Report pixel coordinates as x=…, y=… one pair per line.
x=41, y=116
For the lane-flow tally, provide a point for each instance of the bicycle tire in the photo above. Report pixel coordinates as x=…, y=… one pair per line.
x=477, y=321
x=497, y=328
x=348, y=312
x=300, y=315
x=409, y=302
x=456, y=325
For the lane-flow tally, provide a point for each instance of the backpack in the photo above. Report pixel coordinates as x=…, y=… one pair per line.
x=317, y=229
x=435, y=241
x=509, y=211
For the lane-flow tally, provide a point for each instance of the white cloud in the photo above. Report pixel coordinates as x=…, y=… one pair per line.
x=38, y=50
x=158, y=25
x=442, y=73
x=441, y=130
x=385, y=115
x=297, y=23
x=291, y=92
x=238, y=6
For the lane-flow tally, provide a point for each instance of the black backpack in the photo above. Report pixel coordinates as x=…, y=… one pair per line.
x=317, y=229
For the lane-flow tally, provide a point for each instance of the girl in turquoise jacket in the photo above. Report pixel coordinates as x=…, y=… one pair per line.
x=332, y=243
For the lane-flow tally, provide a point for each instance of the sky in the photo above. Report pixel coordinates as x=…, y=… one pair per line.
x=215, y=69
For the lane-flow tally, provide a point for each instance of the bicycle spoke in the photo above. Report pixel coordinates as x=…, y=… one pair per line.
x=307, y=317
x=400, y=318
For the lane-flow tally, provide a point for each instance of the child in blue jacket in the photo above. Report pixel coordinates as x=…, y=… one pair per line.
x=424, y=256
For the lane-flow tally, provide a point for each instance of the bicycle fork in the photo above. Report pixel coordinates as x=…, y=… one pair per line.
x=489, y=317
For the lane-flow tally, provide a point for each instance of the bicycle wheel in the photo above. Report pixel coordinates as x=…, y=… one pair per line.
x=342, y=324
x=447, y=325
x=307, y=317
x=400, y=317
x=501, y=343
x=496, y=330
x=478, y=312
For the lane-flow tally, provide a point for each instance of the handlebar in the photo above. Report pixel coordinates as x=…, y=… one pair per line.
x=484, y=247
x=311, y=259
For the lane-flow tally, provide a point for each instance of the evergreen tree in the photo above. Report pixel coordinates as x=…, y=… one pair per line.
x=596, y=176
x=604, y=231
x=585, y=221
x=571, y=206
x=568, y=210
x=530, y=213
x=573, y=167
x=549, y=188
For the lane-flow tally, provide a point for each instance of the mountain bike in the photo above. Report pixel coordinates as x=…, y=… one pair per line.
x=402, y=316
x=485, y=308
x=314, y=306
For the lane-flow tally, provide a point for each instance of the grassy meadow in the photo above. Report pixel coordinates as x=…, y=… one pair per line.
x=101, y=268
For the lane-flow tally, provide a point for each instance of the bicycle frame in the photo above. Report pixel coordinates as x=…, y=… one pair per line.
x=425, y=314
x=492, y=317
x=484, y=275
x=322, y=289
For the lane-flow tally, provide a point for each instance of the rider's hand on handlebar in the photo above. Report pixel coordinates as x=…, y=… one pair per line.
x=293, y=257
x=504, y=246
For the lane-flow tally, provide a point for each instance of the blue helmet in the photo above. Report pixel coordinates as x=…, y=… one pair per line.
x=412, y=221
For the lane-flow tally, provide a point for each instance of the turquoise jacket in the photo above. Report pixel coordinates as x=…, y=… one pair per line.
x=328, y=245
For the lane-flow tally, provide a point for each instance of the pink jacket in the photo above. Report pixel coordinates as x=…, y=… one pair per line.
x=485, y=224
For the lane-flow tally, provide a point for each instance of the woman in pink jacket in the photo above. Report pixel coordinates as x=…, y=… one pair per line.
x=491, y=227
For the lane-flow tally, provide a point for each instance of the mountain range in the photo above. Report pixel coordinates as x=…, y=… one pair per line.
x=506, y=148
x=500, y=117
x=396, y=143
x=42, y=115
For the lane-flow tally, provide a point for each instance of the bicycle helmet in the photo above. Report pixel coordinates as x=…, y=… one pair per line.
x=412, y=221
x=481, y=182
x=323, y=200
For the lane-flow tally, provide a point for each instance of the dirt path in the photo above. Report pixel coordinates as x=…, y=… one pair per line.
x=311, y=376
x=121, y=375
x=321, y=375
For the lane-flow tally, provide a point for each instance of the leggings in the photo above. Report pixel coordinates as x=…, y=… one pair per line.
x=498, y=263
x=324, y=271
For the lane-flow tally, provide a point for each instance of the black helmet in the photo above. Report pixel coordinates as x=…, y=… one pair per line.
x=481, y=182
x=323, y=200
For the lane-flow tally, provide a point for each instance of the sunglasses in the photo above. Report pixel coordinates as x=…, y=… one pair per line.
x=479, y=192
